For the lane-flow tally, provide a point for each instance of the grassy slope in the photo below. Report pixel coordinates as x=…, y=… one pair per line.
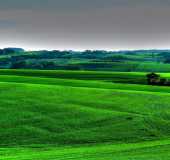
x=137, y=151
x=67, y=115
x=74, y=112
x=120, y=77
x=81, y=83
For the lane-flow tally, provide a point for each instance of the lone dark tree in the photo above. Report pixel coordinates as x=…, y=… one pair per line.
x=153, y=78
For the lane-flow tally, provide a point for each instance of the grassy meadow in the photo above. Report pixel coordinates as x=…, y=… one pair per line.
x=83, y=115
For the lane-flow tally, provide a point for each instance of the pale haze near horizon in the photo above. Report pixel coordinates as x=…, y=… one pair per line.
x=81, y=25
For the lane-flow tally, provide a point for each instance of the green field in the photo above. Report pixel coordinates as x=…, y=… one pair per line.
x=80, y=115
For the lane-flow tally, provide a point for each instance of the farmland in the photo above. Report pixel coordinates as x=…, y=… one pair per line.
x=82, y=115
x=84, y=80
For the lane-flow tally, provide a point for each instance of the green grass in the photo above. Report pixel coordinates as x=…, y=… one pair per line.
x=43, y=117
x=152, y=67
x=69, y=115
x=121, y=77
x=82, y=83
x=151, y=150
x=133, y=65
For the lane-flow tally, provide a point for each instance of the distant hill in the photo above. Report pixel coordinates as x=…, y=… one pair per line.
x=11, y=51
x=93, y=60
x=14, y=49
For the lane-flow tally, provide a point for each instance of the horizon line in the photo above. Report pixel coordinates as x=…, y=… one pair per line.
x=82, y=50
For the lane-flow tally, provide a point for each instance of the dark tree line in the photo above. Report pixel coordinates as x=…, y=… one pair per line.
x=155, y=79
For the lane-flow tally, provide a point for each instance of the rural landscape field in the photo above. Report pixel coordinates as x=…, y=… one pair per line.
x=84, y=114
x=84, y=79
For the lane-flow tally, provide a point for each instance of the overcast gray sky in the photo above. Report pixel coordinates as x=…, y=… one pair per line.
x=85, y=24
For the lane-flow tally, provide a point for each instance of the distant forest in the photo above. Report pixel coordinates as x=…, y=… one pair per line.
x=125, y=61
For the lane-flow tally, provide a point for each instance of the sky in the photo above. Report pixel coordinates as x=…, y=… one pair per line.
x=85, y=24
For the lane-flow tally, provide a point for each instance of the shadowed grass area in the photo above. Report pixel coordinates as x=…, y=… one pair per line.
x=121, y=77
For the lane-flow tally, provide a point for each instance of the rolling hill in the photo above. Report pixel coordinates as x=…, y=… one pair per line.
x=48, y=115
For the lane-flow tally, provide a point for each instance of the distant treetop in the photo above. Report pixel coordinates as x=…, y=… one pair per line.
x=14, y=49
